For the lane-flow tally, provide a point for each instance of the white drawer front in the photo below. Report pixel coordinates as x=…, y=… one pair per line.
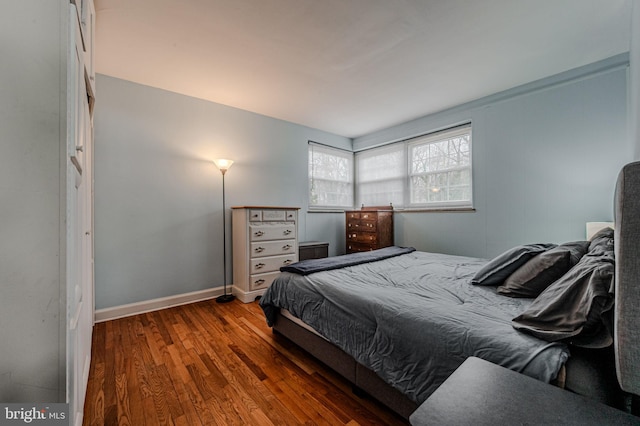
x=290, y=215
x=272, y=232
x=255, y=215
x=259, y=281
x=273, y=248
x=273, y=215
x=270, y=264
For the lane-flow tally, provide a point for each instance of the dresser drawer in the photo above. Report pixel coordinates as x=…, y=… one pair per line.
x=255, y=215
x=270, y=264
x=277, y=215
x=359, y=247
x=362, y=225
x=259, y=281
x=369, y=215
x=353, y=215
x=272, y=248
x=362, y=237
x=273, y=215
x=265, y=232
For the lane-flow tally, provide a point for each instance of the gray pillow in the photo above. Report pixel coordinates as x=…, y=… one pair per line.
x=577, y=307
x=498, y=269
x=543, y=269
x=537, y=274
x=576, y=250
x=601, y=242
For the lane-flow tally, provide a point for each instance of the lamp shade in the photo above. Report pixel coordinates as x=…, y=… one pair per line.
x=223, y=164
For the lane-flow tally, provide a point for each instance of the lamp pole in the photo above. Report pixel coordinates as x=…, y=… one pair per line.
x=224, y=165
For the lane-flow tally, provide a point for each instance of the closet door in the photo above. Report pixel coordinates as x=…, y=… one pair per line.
x=79, y=238
x=87, y=27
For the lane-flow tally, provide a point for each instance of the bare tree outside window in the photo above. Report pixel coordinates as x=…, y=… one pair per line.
x=441, y=170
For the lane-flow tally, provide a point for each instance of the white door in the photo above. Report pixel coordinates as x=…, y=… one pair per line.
x=79, y=227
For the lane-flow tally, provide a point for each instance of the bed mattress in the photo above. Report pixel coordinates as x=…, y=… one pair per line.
x=414, y=318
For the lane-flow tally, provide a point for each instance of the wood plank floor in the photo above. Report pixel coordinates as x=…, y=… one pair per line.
x=208, y=363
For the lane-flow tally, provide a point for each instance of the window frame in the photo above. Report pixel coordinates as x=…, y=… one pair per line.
x=434, y=138
x=407, y=145
x=337, y=152
x=402, y=177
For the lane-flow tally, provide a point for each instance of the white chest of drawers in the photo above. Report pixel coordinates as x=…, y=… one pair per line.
x=264, y=239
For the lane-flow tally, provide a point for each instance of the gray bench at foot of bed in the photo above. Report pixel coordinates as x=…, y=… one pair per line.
x=481, y=393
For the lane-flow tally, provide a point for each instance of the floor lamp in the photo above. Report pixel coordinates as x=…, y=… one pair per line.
x=224, y=165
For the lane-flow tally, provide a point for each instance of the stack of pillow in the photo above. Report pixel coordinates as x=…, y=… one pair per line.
x=572, y=283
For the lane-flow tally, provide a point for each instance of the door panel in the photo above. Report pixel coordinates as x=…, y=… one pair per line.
x=79, y=226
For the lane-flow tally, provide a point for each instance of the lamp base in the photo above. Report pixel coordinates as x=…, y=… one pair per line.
x=225, y=298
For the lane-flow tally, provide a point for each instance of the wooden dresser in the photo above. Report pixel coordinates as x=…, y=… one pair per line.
x=368, y=229
x=264, y=239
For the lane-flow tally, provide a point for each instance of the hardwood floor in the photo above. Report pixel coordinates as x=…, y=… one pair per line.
x=209, y=363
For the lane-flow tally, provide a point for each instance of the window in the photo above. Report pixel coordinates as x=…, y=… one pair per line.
x=381, y=175
x=431, y=171
x=330, y=177
x=440, y=169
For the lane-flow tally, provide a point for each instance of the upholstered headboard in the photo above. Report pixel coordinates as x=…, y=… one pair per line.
x=627, y=298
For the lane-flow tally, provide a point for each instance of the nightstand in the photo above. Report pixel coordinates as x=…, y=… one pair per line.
x=481, y=393
x=312, y=250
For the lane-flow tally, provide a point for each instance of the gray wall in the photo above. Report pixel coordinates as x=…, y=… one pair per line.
x=545, y=157
x=32, y=108
x=158, y=195
x=545, y=160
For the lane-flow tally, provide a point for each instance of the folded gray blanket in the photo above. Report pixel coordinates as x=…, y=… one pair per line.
x=309, y=266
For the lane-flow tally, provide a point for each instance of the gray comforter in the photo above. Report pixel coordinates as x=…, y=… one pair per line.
x=414, y=318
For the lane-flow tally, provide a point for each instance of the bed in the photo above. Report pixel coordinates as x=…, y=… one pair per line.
x=397, y=322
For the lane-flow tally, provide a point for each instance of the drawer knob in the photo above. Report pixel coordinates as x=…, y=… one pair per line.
x=259, y=249
x=286, y=262
x=287, y=231
x=258, y=233
x=286, y=247
x=259, y=265
x=258, y=282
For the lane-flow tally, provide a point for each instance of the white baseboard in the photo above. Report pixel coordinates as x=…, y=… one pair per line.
x=121, y=311
x=248, y=296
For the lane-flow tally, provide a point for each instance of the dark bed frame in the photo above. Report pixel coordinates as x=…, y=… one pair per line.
x=363, y=379
x=610, y=375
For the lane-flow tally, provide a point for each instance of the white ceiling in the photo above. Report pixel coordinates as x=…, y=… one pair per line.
x=351, y=67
